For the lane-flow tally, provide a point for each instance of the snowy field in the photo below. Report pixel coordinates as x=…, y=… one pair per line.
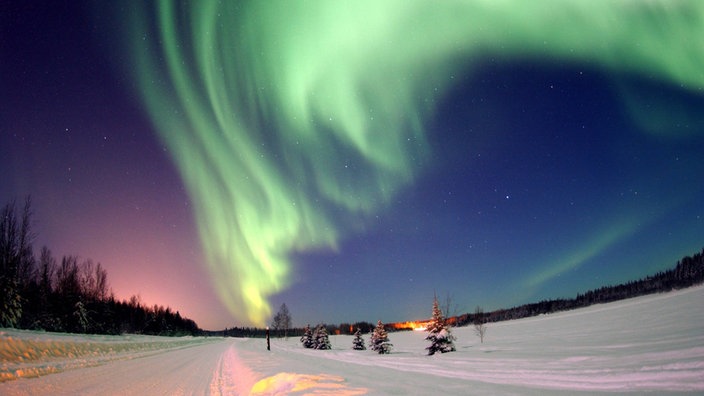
x=652, y=344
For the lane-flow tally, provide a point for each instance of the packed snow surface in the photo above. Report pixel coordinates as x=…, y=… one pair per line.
x=652, y=344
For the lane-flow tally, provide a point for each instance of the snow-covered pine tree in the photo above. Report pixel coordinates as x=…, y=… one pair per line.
x=320, y=337
x=380, y=340
x=439, y=335
x=307, y=338
x=358, y=342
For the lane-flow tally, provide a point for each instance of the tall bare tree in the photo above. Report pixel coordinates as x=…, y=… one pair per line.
x=26, y=262
x=450, y=310
x=282, y=320
x=479, y=323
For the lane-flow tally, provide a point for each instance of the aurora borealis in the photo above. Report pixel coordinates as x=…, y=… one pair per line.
x=500, y=151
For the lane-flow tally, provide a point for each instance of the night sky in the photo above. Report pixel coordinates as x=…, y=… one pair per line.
x=354, y=159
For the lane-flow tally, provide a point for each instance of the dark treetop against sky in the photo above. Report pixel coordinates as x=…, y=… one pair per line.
x=353, y=159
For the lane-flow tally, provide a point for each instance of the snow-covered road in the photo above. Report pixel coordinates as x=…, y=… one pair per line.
x=652, y=344
x=164, y=369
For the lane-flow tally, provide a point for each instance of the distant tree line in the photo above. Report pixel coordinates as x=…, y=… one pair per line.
x=254, y=332
x=243, y=332
x=281, y=324
x=689, y=271
x=70, y=295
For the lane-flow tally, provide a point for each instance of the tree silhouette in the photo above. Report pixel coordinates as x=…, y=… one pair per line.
x=479, y=323
x=282, y=320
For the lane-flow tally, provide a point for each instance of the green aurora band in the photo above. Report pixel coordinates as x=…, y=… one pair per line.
x=292, y=121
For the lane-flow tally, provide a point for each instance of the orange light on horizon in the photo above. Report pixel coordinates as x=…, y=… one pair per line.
x=411, y=325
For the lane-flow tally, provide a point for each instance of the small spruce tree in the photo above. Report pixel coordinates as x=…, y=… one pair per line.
x=380, y=340
x=307, y=338
x=358, y=342
x=320, y=337
x=439, y=335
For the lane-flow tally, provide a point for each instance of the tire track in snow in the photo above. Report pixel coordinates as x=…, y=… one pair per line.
x=233, y=376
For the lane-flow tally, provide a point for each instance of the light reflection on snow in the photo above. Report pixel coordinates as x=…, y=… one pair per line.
x=289, y=383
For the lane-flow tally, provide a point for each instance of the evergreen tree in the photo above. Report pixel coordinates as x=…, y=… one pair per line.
x=358, y=342
x=380, y=340
x=439, y=335
x=320, y=337
x=307, y=338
